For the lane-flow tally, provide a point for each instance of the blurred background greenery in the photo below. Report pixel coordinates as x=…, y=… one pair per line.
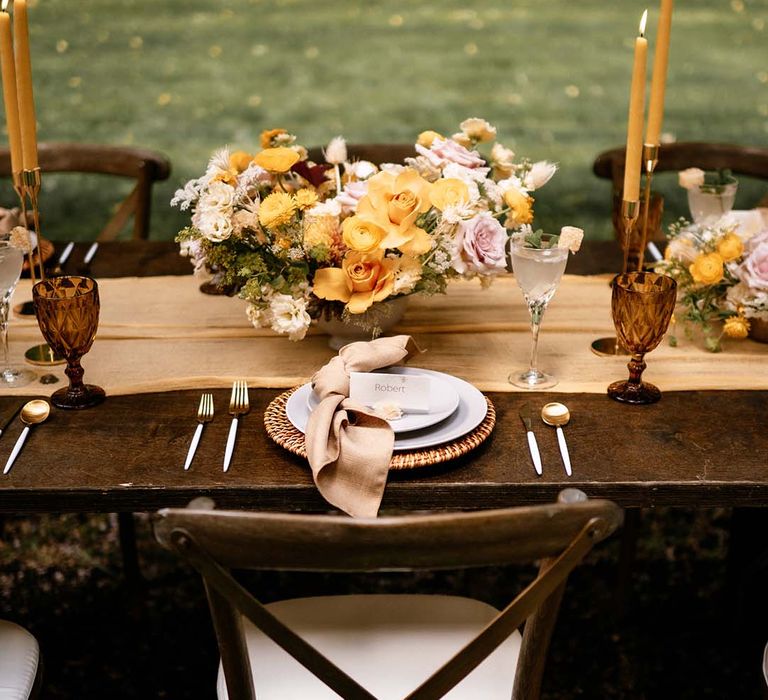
x=186, y=78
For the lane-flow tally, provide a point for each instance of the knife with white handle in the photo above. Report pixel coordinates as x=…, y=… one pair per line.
x=16, y=449
x=526, y=415
x=564, y=451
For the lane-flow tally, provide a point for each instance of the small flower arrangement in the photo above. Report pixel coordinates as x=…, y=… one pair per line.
x=301, y=240
x=706, y=181
x=722, y=277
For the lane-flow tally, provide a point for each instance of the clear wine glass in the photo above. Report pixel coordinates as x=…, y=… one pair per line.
x=538, y=272
x=11, y=261
x=711, y=202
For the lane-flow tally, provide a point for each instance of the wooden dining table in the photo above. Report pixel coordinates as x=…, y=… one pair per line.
x=693, y=448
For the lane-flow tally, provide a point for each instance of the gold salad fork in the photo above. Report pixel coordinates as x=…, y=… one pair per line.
x=238, y=406
x=204, y=415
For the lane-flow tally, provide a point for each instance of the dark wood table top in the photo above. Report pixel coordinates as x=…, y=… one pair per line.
x=698, y=448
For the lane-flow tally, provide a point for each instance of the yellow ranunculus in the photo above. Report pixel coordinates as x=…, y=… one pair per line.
x=239, y=161
x=736, y=327
x=268, y=134
x=520, y=207
x=361, y=235
x=277, y=209
x=306, y=198
x=707, y=268
x=394, y=202
x=362, y=279
x=449, y=191
x=277, y=160
x=427, y=137
x=730, y=247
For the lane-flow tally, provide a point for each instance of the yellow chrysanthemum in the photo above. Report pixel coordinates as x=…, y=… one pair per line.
x=306, y=198
x=520, y=207
x=736, y=327
x=277, y=210
x=277, y=160
x=730, y=247
x=707, y=268
x=268, y=135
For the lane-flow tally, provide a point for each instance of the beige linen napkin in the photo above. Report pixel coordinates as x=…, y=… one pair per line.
x=348, y=447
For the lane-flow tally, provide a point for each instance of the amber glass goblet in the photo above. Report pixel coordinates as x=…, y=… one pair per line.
x=642, y=304
x=67, y=310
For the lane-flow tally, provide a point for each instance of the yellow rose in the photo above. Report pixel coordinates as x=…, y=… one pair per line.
x=319, y=230
x=707, y=268
x=730, y=247
x=268, y=135
x=364, y=278
x=393, y=203
x=361, y=235
x=277, y=210
x=427, y=137
x=306, y=198
x=239, y=161
x=448, y=192
x=736, y=327
x=520, y=207
x=277, y=160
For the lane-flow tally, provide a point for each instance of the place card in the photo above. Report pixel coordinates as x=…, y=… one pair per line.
x=410, y=392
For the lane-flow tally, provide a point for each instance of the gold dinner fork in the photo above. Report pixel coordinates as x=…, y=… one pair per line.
x=204, y=415
x=238, y=406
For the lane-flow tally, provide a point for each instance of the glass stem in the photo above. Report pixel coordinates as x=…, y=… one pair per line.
x=537, y=312
x=4, y=307
x=636, y=367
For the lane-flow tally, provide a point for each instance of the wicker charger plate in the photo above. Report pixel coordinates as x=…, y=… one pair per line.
x=285, y=434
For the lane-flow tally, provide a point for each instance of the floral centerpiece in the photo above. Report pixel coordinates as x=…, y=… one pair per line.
x=301, y=240
x=722, y=277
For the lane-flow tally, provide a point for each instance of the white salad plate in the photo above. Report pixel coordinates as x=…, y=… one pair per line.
x=443, y=400
x=470, y=412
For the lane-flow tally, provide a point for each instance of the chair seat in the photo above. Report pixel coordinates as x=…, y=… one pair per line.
x=19, y=658
x=387, y=643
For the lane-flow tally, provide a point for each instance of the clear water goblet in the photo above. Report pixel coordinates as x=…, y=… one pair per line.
x=11, y=261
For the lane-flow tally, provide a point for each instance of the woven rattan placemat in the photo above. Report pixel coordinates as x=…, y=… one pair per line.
x=285, y=434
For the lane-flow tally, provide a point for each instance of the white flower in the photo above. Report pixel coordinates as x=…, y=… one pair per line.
x=539, y=174
x=494, y=193
x=424, y=167
x=512, y=183
x=185, y=197
x=352, y=193
x=502, y=158
x=478, y=129
x=289, y=316
x=444, y=151
x=336, y=151
x=259, y=316
x=691, y=178
x=388, y=410
x=329, y=207
x=360, y=169
x=214, y=225
x=454, y=213
x=570, y=238
x=392, y=168
x=407, y=275
x=245, y=219
x=220, y=196
x=219, y=161
x=193, y=249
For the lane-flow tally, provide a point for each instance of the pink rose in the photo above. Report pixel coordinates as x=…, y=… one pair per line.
x=754, y=270
x=444, y=151
x=480, y=246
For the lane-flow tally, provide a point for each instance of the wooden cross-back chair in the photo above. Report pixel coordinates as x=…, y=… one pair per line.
x=751, y=161
x=140, y=164
x=376, y=153
x=369, y=640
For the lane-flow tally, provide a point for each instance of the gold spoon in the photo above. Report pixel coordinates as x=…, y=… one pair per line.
x=32, y=413
x=558, y=415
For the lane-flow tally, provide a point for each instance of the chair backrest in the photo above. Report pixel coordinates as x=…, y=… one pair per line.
x=142, y=165
x=559, y=535
x=742, y=160
x=376, y=153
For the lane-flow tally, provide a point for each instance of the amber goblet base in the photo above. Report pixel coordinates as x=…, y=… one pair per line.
x=90, y=395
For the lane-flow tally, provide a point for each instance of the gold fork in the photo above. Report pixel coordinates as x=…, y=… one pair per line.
x=204, y=415
x=238, y=406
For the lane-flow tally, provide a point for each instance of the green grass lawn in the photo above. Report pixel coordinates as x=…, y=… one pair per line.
x=185, y=78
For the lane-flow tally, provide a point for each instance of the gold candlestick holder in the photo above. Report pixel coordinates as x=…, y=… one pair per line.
x=630, y=212
x=651, y=160
x=18, y=185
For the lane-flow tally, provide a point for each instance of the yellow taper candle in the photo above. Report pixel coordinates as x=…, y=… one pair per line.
x=9, y=89
x=659, y=79
x=24, y=85
x=635, y=121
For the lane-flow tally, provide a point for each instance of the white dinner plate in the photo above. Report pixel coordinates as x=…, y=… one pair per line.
x=443, y=400
x=467, y=416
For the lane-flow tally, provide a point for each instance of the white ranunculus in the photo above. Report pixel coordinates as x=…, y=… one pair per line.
x=214, y=225
x=219, y=196
x=336, y=151
x=539, y=175
x=690, y=178
x=360, y=169
x=289, y=316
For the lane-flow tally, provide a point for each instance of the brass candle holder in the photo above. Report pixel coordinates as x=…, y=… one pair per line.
x=651, y=160
x=630, y=212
